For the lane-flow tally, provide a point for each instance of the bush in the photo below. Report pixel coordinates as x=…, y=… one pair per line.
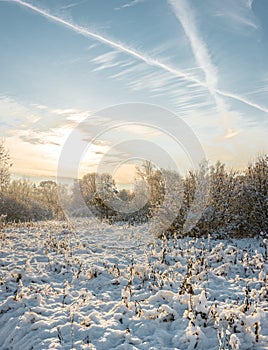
x=17, y=210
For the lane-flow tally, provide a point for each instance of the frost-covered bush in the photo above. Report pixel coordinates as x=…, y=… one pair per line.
x=22, y=200
x=229, y=203
x=237, y=203
x=5, y=165
x=19, y=210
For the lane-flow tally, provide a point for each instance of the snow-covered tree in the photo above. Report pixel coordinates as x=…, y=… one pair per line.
x=5, y=165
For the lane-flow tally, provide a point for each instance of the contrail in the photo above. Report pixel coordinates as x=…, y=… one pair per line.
x=202, y=57
x=186, y=17
x=120, y=47
x=242, y=99
x=200, y=51
x=89, y=34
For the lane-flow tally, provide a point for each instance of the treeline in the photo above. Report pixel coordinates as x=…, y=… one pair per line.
x=234, y=203
x=22, y=200
x=97, y=194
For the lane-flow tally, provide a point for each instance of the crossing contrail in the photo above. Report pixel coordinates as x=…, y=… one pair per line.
x=138, y=55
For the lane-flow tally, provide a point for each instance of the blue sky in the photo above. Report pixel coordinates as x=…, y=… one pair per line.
x=62, y=61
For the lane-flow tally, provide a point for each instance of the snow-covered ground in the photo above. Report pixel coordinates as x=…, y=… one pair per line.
x=115, y=287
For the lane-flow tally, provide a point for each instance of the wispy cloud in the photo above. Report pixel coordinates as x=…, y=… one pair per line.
x=71, y=5
x=176, y=91
x=71, y=116
x=237, y=19
x=231, y=133
x=237, y=14
x=38, y=106
x=14, y=114
x=20, y=119
x=138, y=55
x=65, y=111
x=129, y=4
x=108, y=60
x=36, y=138
x=105, y=58
x=249, y=3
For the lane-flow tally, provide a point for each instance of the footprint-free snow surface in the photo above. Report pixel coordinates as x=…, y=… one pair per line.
x=115, y=287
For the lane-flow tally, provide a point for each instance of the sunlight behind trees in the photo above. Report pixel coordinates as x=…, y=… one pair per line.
x=235, y=205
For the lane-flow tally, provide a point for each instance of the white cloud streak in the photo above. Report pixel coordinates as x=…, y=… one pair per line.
x=130, y=4
x=66, y=111
x=72, y=5
x=238, y=15
x=116, y=45
x=186, y=17
x=242, y=100
x=200, y=51
x=231, y=133
x=140, y=56
x=241, y=20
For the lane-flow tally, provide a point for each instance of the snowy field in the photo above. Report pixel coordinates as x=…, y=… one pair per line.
x=114, y=287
